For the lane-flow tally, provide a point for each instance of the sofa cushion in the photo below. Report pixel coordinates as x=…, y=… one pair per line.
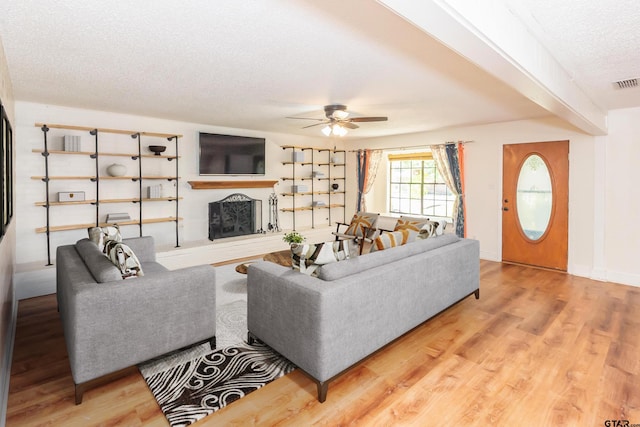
x=306, y=258
x=152, y=267
x=100, y=267
x=351, y=266
x=393, y=239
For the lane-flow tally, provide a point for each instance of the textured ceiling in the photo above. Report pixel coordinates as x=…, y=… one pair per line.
x=597, y=42
x=250, y=65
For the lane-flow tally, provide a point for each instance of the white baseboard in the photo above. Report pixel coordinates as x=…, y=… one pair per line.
x=579, y=270
x=489, y=256
x=623, y=278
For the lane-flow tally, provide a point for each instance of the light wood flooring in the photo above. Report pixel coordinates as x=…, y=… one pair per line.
x=539, y=348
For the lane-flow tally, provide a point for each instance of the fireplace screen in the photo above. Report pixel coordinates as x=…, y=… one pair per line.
x=235, y=215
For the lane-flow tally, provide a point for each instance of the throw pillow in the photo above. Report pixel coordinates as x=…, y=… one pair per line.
x=432, y=229
x=99, y=235
x=306, y=258
x=441, y=225
x=427, y=230
x=361, y=223
x=122, y=256
x=393, y=239
x=408, y=223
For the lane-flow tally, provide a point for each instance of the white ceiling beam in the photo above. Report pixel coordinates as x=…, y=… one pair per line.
x=490, y=36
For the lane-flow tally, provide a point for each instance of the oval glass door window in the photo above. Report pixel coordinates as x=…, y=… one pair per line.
x=534, y=197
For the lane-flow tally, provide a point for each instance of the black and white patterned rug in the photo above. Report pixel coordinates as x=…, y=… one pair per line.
x=194, y=383
x=190, y=391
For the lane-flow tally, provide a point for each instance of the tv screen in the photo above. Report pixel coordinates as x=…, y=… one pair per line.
x=231, y=155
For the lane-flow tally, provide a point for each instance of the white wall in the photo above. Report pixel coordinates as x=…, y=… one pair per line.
x=622, y=206
x=483, y=163
x=193, y=208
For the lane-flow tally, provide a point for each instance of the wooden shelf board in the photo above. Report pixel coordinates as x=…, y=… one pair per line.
x=81, y=202
x=160, y=177
x=156, y=199
x=162, y=199
x=310, y=208
x=51, y=178
x=103, y=224
x=129, y=178
x=89, y=153
x=332, y=206
x=303, y=178
x=297, y=147
x=88, y=202
x=106, y=130
x=211, y=185
x=312, y=148
x=302, y=208
x=309, y=193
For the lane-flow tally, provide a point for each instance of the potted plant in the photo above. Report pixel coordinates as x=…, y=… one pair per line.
x=293, y=237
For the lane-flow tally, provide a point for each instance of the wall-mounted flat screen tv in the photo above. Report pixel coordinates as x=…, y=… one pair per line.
x=231, y=155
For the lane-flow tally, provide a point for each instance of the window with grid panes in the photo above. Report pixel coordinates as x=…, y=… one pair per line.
x=416, y=187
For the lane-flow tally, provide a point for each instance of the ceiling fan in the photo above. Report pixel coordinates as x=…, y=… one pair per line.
x=337, y=120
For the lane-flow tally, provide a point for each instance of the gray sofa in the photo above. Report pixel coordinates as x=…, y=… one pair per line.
x=328, y=323
x=111, y=324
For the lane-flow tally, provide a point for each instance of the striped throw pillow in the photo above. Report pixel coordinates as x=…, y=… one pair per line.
x=393, y=239
x=307, y=258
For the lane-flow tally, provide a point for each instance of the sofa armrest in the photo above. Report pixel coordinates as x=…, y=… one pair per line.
x=115, y=325
x=144, y=247
x=283, y=310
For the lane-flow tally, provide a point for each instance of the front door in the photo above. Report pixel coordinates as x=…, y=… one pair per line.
x=535, y=204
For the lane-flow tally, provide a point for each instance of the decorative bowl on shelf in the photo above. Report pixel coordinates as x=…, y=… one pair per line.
x=117, y=169
x=157, y=149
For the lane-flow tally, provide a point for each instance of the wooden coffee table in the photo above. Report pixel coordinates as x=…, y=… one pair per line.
x=281, y=258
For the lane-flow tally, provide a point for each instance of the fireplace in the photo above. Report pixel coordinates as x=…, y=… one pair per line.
x=235, y=215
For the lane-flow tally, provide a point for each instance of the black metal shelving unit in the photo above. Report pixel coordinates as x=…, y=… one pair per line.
x=315, y=191
x=95, y=155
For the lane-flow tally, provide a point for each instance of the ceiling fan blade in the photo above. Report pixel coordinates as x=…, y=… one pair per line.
x=305, y=118
x=349, y=125
x=315, y=124
x=369, y=119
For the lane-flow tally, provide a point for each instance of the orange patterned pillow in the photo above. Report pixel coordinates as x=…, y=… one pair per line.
x=408, y=223
x=360, y=222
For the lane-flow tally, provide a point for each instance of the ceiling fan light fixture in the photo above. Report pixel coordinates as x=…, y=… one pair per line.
x=334, y=130
x=339, y=130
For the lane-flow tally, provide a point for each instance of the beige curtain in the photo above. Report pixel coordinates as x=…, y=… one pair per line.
x=442, y=163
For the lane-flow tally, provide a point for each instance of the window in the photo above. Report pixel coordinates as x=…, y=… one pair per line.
x=416, y=187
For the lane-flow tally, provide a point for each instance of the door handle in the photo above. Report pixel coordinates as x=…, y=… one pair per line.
x=505, y=209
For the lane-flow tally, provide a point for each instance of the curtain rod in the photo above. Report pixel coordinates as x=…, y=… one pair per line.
x=413, y=146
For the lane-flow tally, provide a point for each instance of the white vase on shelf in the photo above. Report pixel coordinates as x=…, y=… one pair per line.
x=117, y=169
